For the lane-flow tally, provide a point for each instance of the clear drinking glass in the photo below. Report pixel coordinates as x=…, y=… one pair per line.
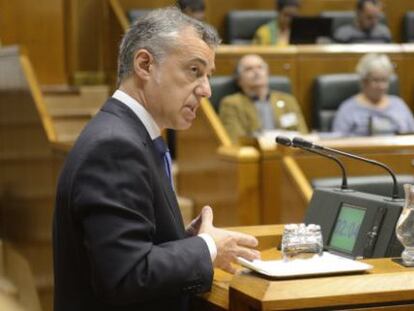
x=405, y=226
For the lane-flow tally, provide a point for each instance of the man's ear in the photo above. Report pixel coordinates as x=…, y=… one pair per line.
x=143, y=60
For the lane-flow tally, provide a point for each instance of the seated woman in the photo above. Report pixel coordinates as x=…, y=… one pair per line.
x=373, y=111
x=257, y=108
x=277, y=31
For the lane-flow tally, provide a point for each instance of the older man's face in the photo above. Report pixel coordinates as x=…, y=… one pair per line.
x=180, y=81
x=369, y=16
x=253, y=73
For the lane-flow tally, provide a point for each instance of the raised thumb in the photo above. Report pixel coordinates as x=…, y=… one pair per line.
x=206, y=216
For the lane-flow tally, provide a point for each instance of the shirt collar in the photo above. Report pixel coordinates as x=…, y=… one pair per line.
x=142, y=114
x=256, y=98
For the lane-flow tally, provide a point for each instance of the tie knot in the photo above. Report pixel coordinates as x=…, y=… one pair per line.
x=160, y=145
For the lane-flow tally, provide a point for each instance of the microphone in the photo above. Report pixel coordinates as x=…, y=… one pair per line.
x=282, y=140
x=301, y=143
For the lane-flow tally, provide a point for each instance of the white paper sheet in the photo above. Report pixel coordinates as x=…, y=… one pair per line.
x=317, y=265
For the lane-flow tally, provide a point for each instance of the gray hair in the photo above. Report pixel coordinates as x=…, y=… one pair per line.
x=373, y=62
x=157, y=32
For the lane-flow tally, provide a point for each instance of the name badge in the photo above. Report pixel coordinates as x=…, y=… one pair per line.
x=288, y=120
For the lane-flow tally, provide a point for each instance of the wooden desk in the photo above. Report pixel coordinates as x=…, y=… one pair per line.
x=388, y=286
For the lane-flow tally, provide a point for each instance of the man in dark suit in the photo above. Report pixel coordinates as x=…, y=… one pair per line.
x=119, y=240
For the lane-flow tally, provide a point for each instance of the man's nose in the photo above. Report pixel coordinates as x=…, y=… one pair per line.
x=204, y=89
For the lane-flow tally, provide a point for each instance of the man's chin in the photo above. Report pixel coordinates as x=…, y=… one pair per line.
x=184, y=125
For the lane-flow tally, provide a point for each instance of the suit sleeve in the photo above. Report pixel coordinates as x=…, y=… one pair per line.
x=113, y=199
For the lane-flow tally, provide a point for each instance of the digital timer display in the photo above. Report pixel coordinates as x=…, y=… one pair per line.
x=347, y=227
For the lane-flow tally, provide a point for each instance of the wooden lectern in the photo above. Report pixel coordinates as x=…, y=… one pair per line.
x=388, y=286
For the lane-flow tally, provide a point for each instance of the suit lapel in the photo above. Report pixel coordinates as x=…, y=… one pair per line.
x=128, y=116
x=252, y=118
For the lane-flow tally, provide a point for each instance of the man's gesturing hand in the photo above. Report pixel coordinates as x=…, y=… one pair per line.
x=230, y=245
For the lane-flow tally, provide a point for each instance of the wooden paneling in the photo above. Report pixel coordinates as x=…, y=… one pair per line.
x=216, y=10
x=38, y=25
x=312, y=7
x=29, y=168
x=227, y=180
x=65, y=37
x=395, y=10
x=26, y=182
x=216, y=13
x=405, y=71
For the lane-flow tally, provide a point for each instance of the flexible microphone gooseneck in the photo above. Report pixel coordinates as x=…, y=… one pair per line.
x=301, y=143
x=282, y=140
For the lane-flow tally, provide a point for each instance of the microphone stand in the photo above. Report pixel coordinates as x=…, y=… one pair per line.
x=297, y=141
x=285, y=141
x=344, y=185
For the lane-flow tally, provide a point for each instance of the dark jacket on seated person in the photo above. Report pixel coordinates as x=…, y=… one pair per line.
x=240, y=116
x=352, y=34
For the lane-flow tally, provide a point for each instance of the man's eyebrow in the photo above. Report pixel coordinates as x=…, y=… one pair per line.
x=199, y=60
x=203, y=62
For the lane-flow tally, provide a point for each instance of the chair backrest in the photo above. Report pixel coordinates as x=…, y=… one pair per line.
x=136, y=13
x=242, y=25
x=340, y=18
x=408, y=27
x=374, y=184
x=222, y=86
x=329, y=91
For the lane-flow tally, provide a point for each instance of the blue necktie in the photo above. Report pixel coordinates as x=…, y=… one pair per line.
x=166, y=156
